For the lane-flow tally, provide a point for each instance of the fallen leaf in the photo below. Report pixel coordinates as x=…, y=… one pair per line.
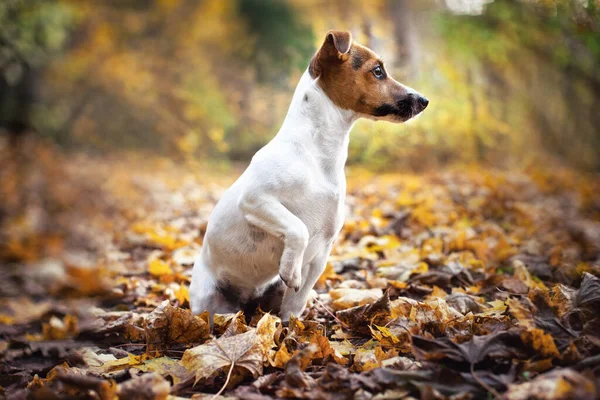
x=182, y=295
x=561, y=384
x=149, y=386
x=360, y=318
x=346, y=298
x=166, y=366
x=57, y=329
x=248, y=350
x=157, y=267
x=167, y=325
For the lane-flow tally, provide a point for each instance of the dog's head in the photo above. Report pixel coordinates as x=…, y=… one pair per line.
x=354, y=78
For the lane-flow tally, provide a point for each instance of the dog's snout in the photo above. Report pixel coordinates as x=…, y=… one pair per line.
x=423, y=101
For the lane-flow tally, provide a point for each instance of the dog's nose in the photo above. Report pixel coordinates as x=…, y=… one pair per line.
x=423, y=102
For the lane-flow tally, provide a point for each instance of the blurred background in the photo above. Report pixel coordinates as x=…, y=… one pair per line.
x=510, y=81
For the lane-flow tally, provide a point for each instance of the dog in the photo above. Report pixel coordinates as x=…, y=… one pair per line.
x=269, y=237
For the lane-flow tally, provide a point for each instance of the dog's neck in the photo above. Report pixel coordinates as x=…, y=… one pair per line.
x=323, y=128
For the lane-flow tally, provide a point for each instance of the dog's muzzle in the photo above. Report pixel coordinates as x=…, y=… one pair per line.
x=411, y=105
x=406, y=107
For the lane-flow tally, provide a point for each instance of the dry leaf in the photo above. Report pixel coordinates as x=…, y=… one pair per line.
x=247, y=350
x=150, y=386
x=346, y=298
x=167, y=325
x=562, y=384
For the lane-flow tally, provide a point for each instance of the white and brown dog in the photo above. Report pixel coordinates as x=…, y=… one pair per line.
x=269, y=237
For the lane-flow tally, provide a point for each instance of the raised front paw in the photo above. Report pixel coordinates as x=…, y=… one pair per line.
x=291, y=275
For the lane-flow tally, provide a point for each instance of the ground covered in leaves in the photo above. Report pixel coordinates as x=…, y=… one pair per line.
x=466, y=283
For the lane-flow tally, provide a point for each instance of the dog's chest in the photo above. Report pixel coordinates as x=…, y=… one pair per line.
x=321, y=206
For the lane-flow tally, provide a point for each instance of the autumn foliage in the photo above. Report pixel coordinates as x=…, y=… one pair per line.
x=451, y=284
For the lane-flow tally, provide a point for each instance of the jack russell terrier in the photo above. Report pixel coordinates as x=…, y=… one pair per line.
x=269, y=236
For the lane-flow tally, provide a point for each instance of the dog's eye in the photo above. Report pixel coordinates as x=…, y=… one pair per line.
x=378, y=72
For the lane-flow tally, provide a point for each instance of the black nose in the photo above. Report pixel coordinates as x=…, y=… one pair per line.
x=423, y=102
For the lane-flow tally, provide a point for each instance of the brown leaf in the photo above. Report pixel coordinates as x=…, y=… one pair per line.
x=166, y=366
x=81, y=383
x=465, y=303
x=150, y=386
x=240, y=350
x=360, y=318
x=294, y=370
x=562, y=384
x=248, y=350
x=56, y=329
x=167, y=325
x=499, y=346
x=587, y=299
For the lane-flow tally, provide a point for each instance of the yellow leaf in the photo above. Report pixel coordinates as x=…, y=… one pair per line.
x=158, y=267
x=422, y=268
x=165, y=366
x=122, y=363
x=182, y=294
x=497, y=307
x=385, y=332
x=345, y=348
x=57, y=329
x=541, y=341
x=282, y=356
x=346, y=297
x=328, y=274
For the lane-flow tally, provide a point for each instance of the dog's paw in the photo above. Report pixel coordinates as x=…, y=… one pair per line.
x=291, y=277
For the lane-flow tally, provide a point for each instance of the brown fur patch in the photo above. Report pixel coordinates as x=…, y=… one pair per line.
x=348, y=80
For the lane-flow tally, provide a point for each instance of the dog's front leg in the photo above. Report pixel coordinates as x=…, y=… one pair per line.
x=267, y=213
x=294, y=302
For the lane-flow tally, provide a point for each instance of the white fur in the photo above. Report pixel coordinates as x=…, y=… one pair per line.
x=280, y=218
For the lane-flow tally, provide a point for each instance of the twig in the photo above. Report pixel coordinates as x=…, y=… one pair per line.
x=226, y=382
x=483, y=384
x=330, y=313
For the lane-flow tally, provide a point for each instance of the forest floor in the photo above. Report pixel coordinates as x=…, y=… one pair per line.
x=463, y=283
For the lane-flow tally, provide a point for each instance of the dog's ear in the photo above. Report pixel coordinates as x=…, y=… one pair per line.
x=335, y=48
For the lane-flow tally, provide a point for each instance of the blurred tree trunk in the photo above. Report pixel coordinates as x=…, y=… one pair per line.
x=477, y=142
x=406, y=36
x=16, y=101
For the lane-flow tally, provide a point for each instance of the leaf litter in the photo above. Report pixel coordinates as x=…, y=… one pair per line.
x=463, y=284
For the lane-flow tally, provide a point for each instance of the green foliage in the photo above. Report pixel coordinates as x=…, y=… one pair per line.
x=282, y=42
x=32, y=30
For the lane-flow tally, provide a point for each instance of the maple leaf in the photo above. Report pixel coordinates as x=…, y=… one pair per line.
x=247, y=350
x=240, y=350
